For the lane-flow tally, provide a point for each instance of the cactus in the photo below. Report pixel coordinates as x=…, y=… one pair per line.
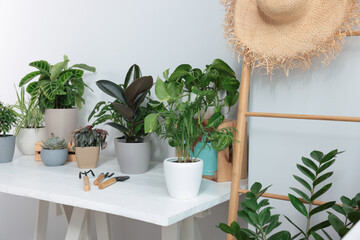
x=54, y=143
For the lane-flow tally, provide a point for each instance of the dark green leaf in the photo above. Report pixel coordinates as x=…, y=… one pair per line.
x=302, y=194
x=325, y=166
x=28, y=78
x=326, y=234
x=262, y=191
x=303, y=182
x=306, y=171
x=335, y=222
x=264, y=216
x=316, y=236
x=113, y=90
x=220, y=65
x=309, y=163
x=255, y=188
x=215, y=120
x=235, y=228
x=64, y=78
x=338, y=209
x=322, y=208
x=138, y=86
x=244, y=215
x=321, y=192
x=118, y=127
x=346, y=200
x=329, y=156
x=225, y=228
x=124, y=110
x=263, y=203
x=254, y=217
x=180, y=71
x=231, y=99
x=298, y=205
x=317, y=155
x=343, y=231
x=354, y=217
x=282, y=235
x=274, y=223
x=322, y=178
x=42, y=66
x=319, y=226
x=230, y=84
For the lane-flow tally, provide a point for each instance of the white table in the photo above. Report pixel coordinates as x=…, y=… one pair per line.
x=142, y=197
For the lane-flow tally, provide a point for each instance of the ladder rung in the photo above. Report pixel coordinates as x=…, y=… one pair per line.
x=303, y=116
x=283, y=197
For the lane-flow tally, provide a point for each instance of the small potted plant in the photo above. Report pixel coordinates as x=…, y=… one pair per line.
x=127, y=115
x=181, y=123
x=54, y=151
x=8, y=119
x=59, y=93
x=87, y=142
x=30, y=128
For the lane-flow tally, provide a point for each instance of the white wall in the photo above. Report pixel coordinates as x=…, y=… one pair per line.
x=110, y=35
x=276, y=145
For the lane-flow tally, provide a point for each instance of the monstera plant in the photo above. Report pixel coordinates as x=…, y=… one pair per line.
x=127, y=115
x=58, y=87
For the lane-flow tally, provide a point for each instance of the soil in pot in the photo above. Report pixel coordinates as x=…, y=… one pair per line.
x=7, y=148
x=87, y=157
x=54, y=158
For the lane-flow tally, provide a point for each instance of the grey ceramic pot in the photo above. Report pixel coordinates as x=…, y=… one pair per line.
x=54, y=157
x=133, y=158
x=7, y=148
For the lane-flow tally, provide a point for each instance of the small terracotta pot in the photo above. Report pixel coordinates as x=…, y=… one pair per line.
x=87, y=157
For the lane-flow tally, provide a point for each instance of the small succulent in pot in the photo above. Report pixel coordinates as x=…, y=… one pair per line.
x=90, y=137
x=54, y=151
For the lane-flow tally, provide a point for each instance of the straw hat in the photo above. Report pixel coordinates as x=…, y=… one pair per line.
x=286, y=34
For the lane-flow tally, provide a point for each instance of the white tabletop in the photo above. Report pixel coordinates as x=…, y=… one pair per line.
x=142, y=197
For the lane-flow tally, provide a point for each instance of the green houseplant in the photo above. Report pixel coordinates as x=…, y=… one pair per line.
x=58, y=90
x=30, y=128
x=54, y=151
x=127, y=115
x=87, y=142
x=8, y=119
x=181, y=123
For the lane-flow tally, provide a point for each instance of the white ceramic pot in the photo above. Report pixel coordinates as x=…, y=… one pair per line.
x=133, y=158
x=61, y=122
x=27, y=137
x=183, y=179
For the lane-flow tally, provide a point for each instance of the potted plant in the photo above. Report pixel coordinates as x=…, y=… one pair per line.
x=216, y=86
x=54, y=151
x=181, y=123
x=30, y=128
x=7, y=141
x=59, y=93
x=87, y=142
x=127, y=115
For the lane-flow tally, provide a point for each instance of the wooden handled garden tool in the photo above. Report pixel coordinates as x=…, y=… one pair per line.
x=101, y=177
x=86, y=179
x=111, y=181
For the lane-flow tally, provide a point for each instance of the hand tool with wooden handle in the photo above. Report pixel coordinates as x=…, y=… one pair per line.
x=99, y=179
x=86, y=183
x=111, y=181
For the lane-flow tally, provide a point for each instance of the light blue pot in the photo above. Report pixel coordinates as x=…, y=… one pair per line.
x=54, y=157
x=7, y=148
x=208, y=155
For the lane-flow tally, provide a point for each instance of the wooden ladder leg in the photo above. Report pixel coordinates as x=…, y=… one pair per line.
x=239, y=145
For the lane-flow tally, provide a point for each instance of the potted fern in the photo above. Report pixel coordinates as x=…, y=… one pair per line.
x=54, y=151
x=87, y=142
x=30, y=128
x=126, y=114
x=181, y=123
x=59, y=93
x=8, y=119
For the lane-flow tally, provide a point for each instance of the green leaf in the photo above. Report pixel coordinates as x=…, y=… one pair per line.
x=303, y=182
x=235, y=228
x=319, y=226
x=160, y=91
x=316, y=236
x=263, y=203
x=329, y=156
x=317, y=155
x=119, y=127
x=231, y=99
x=322, y=208
x=51, y=89
x=354, y=217
x=264, y=216
x=321, y=192
x=43, y=66
x=28, y=78
x=137, y=87
x=339, y=209
x=225, y=228
x=302, y=194
x=306, y=171
x=244, y=215
x=64, y=78
x=309, y=163
x=215, y=120
x=230, y=84
x=181, y=71
x=57, y=69
x=346, y=200
x=343, y=231
x=173, y=90
x=133, y=73
x=282, y=235
x=263, y=191
x=124, y=110
x=325, y=166
x=84, y=67
x=250, y=202
x=274, y=223
x=335, y=222
x=298, y=205
x=322, y=178
x=254, y=217
x=255, y=188
x=112, y=90
x=220, y=65
x=166, y=74
x=151, y=122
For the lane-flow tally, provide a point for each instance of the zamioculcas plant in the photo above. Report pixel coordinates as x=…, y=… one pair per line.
x=127, y=105
x=258, y=214
x=58, y=86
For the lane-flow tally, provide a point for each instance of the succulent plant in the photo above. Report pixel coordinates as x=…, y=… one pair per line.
x=54, y=143
x=89, y=137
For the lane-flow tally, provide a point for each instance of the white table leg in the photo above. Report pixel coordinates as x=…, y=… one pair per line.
x=86, y=234
x=77, y=222
x=41, y=220
x=102, y=225
x=188, y=229
x=171, y=232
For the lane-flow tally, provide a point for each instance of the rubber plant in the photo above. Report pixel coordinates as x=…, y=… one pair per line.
x=126, y=112
x=58, y=85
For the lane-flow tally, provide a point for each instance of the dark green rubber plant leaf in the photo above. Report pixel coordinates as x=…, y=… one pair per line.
x=124, y=110
x=140, y=85
x=133, y=73
x=112, y=90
